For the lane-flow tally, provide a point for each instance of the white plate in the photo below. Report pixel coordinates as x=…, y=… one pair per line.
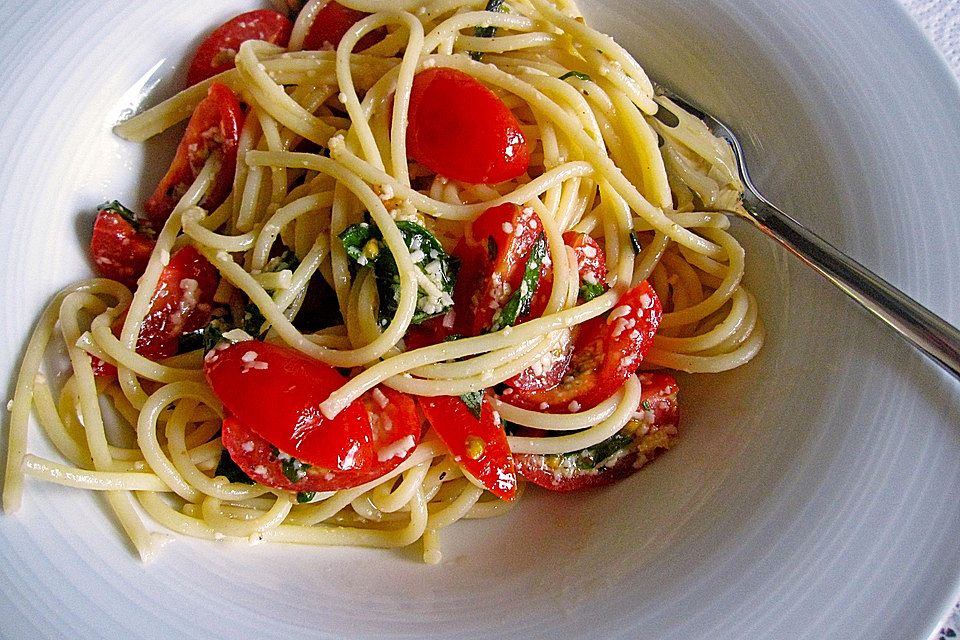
x=815, y=492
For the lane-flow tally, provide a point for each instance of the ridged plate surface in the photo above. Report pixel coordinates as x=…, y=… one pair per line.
x=815, y=494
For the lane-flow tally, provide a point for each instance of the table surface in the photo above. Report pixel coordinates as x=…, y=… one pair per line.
x=940, y=20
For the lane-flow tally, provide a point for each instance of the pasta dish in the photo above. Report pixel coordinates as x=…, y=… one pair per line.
x=404, y=264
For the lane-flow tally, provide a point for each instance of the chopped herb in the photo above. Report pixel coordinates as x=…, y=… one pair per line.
x=474, y=401
x=646, y=405
x=364, y=245
x=590, y=291
x=229, y=470
x=635, y=242
x=487, y=32
x=129, y=216
x=207, y=337
x=294, y=470
x=576, y=74
x=591, y=457
x=519, y=302
x=305, y=496
x=253, y=318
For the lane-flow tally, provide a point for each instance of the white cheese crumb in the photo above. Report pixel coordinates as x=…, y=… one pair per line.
x=574, y=406
x=9, y=405
x=247, y=446
x=396, y=449
x=378, y=397
x=260, y=470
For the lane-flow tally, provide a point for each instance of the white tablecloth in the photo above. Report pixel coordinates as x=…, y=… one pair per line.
x=940, y=19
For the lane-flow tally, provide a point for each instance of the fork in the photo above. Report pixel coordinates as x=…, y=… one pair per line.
x=925, y=330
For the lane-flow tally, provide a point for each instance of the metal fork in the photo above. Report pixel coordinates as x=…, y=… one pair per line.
x=925, y=330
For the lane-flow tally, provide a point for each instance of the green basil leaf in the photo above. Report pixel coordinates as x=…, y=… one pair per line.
x=519, y=303
x=590, y=291
x=428, y=256
x=576, y=74
x=229, y=469
x=129, y=216
x=474, y=401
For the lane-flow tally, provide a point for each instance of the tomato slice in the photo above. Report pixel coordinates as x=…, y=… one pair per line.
x=396, y=432
x=182, y=303
x=650, y=433
x=332, y=22
x=214, y=128
x=275, y=392
x=493, y=257
x=607, y=351
x=120, y=248
x=478, y=445
x=460, y=129
x=217, y=52
x=551, y=369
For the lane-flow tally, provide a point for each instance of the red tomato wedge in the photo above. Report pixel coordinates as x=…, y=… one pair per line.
x=181, y=304
x=332, y=22
x=478, y=445
x=217, y=52
x=652, y=432
x=551, y=369
x=607, y=351
x=120, y=249
x=275, y=392
x=460, y=129
x=493, y=257
x=214, y=128
x=591, y=259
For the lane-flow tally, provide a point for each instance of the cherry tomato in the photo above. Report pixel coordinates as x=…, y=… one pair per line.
x=591, y=261
x=548, y=372
x=551, y=369
x=275, y=392
x=217, y=52
x=181, y=304
x=332, y=22
x=120, y=248
x=214, y=128
x=652, y=432
x=270, y=466
x=607, y=351
x=493, y=257
x=478, y=445
x=460, y=129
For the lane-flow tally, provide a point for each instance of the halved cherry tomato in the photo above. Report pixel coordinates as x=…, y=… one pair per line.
x=652, y=432
x=549, y=371
x=460, y=129
x=591, y=263
x=270, y=466
x=607, y=351
x=214, y=128
x=478, y=445
x=591, y=259
x=119, y=249
x=181, y=304
x=275, y=392
x=217, y=52
x=493, y=257
x=332, y=22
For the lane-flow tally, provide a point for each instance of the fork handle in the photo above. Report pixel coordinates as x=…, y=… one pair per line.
x=918, y=325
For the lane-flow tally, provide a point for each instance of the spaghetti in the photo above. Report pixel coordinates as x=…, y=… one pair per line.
x=323, y=160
